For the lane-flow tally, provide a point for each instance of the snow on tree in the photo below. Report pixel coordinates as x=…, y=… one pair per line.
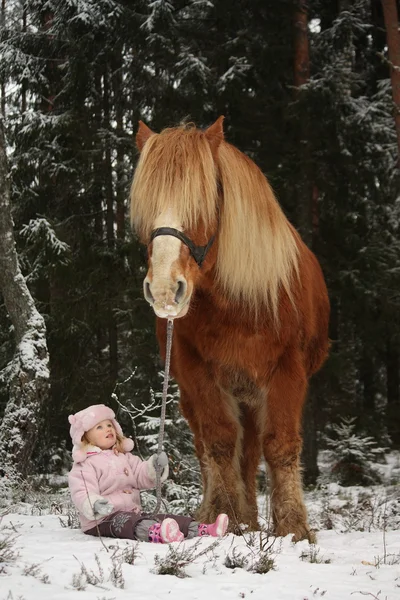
x=26, y=377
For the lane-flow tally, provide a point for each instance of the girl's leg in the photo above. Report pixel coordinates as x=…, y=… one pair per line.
x=191, y=528
x=165, y=532
x=143, y=527
x=120, y=524
x=216, y=529
x=163, y=528
x=146, y=529
x=183, y=522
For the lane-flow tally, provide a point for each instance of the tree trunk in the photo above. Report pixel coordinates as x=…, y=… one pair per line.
x=308, y=222
x=3, y=83
x=310, y=440
x=23, y=86
x=393, y=372
x=301, y=75
x=301, y=46
x=108, y=182
x=393, y=390
x=367, y=379
x=391, y=18
x=27, y=375
x=120, y=171
x=109, y=191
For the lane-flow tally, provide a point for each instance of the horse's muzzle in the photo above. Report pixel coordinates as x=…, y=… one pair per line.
x=169, y=300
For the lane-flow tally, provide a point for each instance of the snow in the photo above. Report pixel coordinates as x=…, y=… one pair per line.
x=349, y=564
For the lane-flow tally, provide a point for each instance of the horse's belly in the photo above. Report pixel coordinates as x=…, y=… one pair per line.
x=239, y=385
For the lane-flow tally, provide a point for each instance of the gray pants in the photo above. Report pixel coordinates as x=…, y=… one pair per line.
x=135, y=526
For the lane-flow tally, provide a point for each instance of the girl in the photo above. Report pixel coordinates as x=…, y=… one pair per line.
x=106, y=478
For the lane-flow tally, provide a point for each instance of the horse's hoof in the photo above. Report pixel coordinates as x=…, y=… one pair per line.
x=305, y=534
x=300, y=532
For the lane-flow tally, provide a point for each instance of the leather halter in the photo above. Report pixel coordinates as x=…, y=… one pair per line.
x=199, y=253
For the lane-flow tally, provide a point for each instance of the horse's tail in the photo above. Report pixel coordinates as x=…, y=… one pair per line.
x=317, y=353
x=318, y=344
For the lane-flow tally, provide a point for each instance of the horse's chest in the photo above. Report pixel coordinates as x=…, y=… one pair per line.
x=229, y=346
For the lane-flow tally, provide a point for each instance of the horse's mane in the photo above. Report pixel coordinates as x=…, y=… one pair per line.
x=258, y=253
x=176, y=169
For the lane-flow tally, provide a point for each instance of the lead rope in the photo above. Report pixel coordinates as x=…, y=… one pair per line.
x=170, y=328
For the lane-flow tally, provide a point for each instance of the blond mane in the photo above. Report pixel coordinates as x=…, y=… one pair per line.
x=258, y=253
x=176, y=169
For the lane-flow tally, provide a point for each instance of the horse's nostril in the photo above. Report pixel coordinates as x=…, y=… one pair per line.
x=147, y=293
x=180, y=292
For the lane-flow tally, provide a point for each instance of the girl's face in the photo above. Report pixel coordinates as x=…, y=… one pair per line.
x=102, y=435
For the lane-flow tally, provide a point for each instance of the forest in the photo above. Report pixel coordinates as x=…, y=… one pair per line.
x=310, y=90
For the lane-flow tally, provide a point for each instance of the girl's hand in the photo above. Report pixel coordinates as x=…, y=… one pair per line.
x=160, y=459
x=102, y=507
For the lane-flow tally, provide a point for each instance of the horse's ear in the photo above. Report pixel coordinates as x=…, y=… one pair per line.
x=143, y=134
x=215, y=134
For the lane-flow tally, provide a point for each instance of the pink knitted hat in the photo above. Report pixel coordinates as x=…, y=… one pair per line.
x=87, y=418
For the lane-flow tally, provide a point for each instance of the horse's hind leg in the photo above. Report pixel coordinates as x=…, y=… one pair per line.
x=282, y=447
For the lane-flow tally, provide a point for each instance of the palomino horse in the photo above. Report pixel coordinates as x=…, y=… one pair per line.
x=251, y=315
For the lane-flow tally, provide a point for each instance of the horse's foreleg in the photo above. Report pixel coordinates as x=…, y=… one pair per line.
x=282, y=447
x=250, y=460
x=188, y=412
x=214, y=418
x=221, y=434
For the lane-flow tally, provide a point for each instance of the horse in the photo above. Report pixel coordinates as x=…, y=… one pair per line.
x=250, y=310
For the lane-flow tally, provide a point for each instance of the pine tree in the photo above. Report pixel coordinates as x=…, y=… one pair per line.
x=352, y=454
x=351, y=137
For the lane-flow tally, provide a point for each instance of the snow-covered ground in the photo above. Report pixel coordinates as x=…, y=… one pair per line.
x=357, y=554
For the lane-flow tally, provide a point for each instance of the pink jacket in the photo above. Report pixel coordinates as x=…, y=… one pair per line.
x=116, y=477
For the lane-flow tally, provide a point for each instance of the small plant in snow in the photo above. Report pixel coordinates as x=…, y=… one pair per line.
x=116, y=577
x=265, y=560
x=70, y=520
x=8, y=554
x=236, y=560
x=252, y=539
x=264, y=564
x=312, y=555
x=352, y=454
x=260, y=560
x=119, y=557
x=387, y=559
x=86, y=577
x=125, y=555
x=179, y=557
x=35, y=570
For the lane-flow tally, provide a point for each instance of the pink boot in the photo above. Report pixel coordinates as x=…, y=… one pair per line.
x=217, y=529
x=165, y=532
